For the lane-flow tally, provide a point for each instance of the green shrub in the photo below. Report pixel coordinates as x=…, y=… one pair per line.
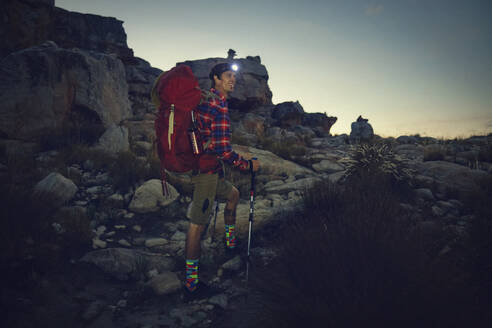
x=377, y=160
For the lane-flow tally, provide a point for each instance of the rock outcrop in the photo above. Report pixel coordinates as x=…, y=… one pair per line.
x=45, y=88
x=361, y=130
x=90, y=32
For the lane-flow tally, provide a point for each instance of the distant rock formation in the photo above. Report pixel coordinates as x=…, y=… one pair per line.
x=361, y=130
x=288, y=114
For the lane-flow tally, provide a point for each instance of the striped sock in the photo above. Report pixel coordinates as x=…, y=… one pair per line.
x=230, y=236
x=191, y=274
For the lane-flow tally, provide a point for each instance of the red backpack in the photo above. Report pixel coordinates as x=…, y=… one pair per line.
x=176, y=94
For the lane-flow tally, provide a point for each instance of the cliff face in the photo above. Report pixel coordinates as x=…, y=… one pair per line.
x=27, y=23
x=91, y=32
x=63, y=70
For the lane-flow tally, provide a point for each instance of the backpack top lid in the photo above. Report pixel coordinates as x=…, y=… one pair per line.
x=177, y=86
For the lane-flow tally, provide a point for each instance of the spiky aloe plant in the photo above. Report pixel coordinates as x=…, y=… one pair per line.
x=377, y=159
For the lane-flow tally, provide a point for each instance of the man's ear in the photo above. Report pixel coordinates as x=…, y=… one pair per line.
x=216, y=79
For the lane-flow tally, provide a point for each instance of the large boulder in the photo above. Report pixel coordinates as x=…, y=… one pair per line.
x=58, y=189
x=319, y=120
x=44, y=88
x=149, y=198
x=114, y=140
x=451, y=177
x=288, y=114
x=251, y=89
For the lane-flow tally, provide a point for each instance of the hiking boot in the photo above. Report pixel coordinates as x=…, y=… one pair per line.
x=202, y=291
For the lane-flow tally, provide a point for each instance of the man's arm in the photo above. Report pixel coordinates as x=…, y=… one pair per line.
x=221, y=140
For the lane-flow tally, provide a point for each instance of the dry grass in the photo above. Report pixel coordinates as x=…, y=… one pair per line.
x=434, y=153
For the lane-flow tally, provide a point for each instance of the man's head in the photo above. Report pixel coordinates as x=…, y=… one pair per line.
x=223, y=77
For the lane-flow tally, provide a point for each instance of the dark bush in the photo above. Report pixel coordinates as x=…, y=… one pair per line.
x=352, y=258
x=479, y=242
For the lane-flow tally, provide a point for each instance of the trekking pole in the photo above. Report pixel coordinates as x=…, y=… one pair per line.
x=251, y=214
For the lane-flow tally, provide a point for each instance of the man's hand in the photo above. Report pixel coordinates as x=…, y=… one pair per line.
x=255, y=164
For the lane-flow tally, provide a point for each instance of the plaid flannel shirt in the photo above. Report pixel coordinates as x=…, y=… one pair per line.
x=215, y=130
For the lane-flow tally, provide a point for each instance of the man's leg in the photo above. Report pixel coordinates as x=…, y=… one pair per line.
x=204, y=186
x=193, y=241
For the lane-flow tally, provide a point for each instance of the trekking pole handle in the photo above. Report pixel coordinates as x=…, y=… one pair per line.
x=253, y=173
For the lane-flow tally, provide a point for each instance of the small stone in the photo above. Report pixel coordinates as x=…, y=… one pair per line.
x=111, y=234
x=98, y=243
x=152, y=273
x=153, y=242
x=124, y=242
x=178, y=236
x=129, y=215
x=137, y=228
x=120, y=227
x=100, y=230
x=437, y=211
x=93, y=190
x=445, y=250
x=121, y=303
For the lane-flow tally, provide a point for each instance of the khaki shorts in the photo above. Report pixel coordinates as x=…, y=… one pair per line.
x=204, y=187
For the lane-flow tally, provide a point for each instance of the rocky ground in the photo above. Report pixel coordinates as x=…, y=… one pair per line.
x=132, y=276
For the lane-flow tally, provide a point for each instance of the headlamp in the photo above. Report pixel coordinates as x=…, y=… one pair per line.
x=234, y=67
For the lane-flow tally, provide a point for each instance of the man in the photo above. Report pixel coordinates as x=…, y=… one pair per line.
x=214, y=125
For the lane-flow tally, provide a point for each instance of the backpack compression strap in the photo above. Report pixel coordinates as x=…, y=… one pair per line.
x=171, y=126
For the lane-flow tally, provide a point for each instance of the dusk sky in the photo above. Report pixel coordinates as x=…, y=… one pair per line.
x=408, y=66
